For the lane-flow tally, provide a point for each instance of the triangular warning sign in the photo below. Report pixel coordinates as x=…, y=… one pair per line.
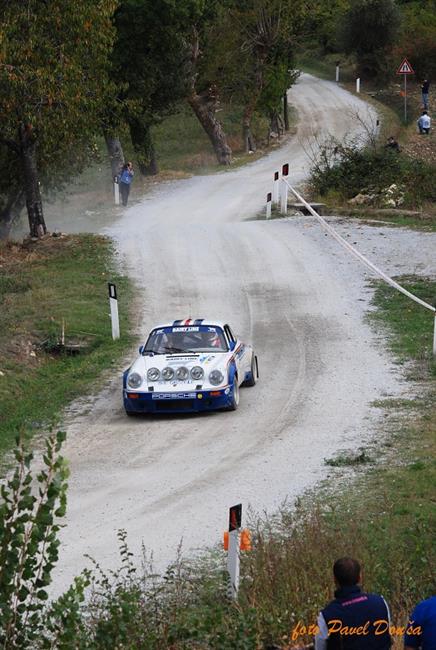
x=405, y=68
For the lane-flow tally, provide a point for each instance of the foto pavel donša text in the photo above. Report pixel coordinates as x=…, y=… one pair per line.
x=336, y=626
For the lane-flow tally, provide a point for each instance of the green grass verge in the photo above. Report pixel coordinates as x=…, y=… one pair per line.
x=42, y=285
x=182, y=144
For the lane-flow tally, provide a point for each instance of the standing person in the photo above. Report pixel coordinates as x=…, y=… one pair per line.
x=353, y=620
x=126, y=178
x=424, y=123
x=421, y=630
x=425, y=89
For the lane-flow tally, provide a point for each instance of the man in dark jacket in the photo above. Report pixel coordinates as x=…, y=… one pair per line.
x=354, y=620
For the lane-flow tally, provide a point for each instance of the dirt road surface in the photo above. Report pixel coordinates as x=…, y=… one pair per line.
x=283, y=286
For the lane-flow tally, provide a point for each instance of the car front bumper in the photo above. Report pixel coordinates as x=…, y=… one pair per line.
x=177, y=402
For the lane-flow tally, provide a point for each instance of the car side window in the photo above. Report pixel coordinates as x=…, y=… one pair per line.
x=232, y=337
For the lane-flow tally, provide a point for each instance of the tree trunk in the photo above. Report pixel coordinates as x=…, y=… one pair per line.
x=115, y=151
x=144, y=148
x=205, y=106
x=35, y=213
x=11, y=211
x=285, y=111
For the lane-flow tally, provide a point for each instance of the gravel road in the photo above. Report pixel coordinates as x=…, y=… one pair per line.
x=193, y=250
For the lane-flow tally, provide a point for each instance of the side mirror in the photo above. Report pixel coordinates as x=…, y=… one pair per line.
x=141, y=349
x=232, y=345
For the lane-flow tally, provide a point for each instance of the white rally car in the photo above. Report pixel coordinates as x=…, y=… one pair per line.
x=189, y=366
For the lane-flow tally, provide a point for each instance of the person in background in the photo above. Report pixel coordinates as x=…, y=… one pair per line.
x=424, y=123
x=425, y=89
x=421, y=629
x=392, y=144
x=353, y=620
x=126, y=178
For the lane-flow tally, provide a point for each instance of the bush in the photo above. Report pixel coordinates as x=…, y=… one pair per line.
x=349, y=170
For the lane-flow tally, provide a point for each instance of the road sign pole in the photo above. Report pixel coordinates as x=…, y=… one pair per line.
x=405, y=98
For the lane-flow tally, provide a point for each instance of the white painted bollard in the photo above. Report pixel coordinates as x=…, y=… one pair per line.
x=358, y=85
x=284, y=190
x=116, y=191
x=337, y=73
x=276, y=189
x=434, y=336
x=235, y=519
x=268, y=205
x=113, y=302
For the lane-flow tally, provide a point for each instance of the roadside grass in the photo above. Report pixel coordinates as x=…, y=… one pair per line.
x=411, y=325
x=43, y=285
x=422, y=221
x=384, y=516
x=182, y=145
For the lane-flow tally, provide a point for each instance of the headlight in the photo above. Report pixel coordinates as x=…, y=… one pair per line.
x=167, y=373
x=182, y=373
x=197, y=373
x=134, y=380
x=153, y=374
x=216, y=377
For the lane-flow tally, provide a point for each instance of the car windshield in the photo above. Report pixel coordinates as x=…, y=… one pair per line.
x=173, y=340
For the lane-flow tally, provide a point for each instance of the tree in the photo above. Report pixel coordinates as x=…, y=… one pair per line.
x=248, y=53
x=369, y=29
x=150, y=60
x=53, y=72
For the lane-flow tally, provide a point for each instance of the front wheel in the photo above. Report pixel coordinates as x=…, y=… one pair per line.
x=235, y=395
x=251, y=381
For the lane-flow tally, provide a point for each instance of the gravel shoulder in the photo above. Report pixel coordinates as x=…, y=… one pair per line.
x=287, y=288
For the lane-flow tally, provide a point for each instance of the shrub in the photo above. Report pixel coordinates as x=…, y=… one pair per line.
x=348, y=170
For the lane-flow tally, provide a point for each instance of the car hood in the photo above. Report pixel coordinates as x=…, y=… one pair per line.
x=207, y=360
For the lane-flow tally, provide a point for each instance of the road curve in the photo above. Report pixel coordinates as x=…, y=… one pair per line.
x=193, y=251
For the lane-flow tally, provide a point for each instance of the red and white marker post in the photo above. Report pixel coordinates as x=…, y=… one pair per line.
x=235, y=519
x=276, y=188
x=284, y=190
x=268, y=205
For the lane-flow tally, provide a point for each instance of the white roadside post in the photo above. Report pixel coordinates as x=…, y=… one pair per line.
x=268, y=205
x=113, y=302
x=276, y=189
x=116, y=191
x=284, y=190
x=434, y=335
x=235, y=519
x=358, y=85
x=337, y=72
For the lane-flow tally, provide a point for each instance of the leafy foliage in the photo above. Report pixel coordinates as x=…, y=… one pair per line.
x=29, y=526
x=53, y=81
x=369, y=29
x=349, y=169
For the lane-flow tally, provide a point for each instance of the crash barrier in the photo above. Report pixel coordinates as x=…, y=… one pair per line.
x=285, y=183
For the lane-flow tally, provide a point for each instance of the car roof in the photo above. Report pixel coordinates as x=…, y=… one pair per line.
x=189, y=322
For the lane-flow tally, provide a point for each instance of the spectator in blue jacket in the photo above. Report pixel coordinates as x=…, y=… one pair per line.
x=126, y=178
x=421, y=629
x=354, y=619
